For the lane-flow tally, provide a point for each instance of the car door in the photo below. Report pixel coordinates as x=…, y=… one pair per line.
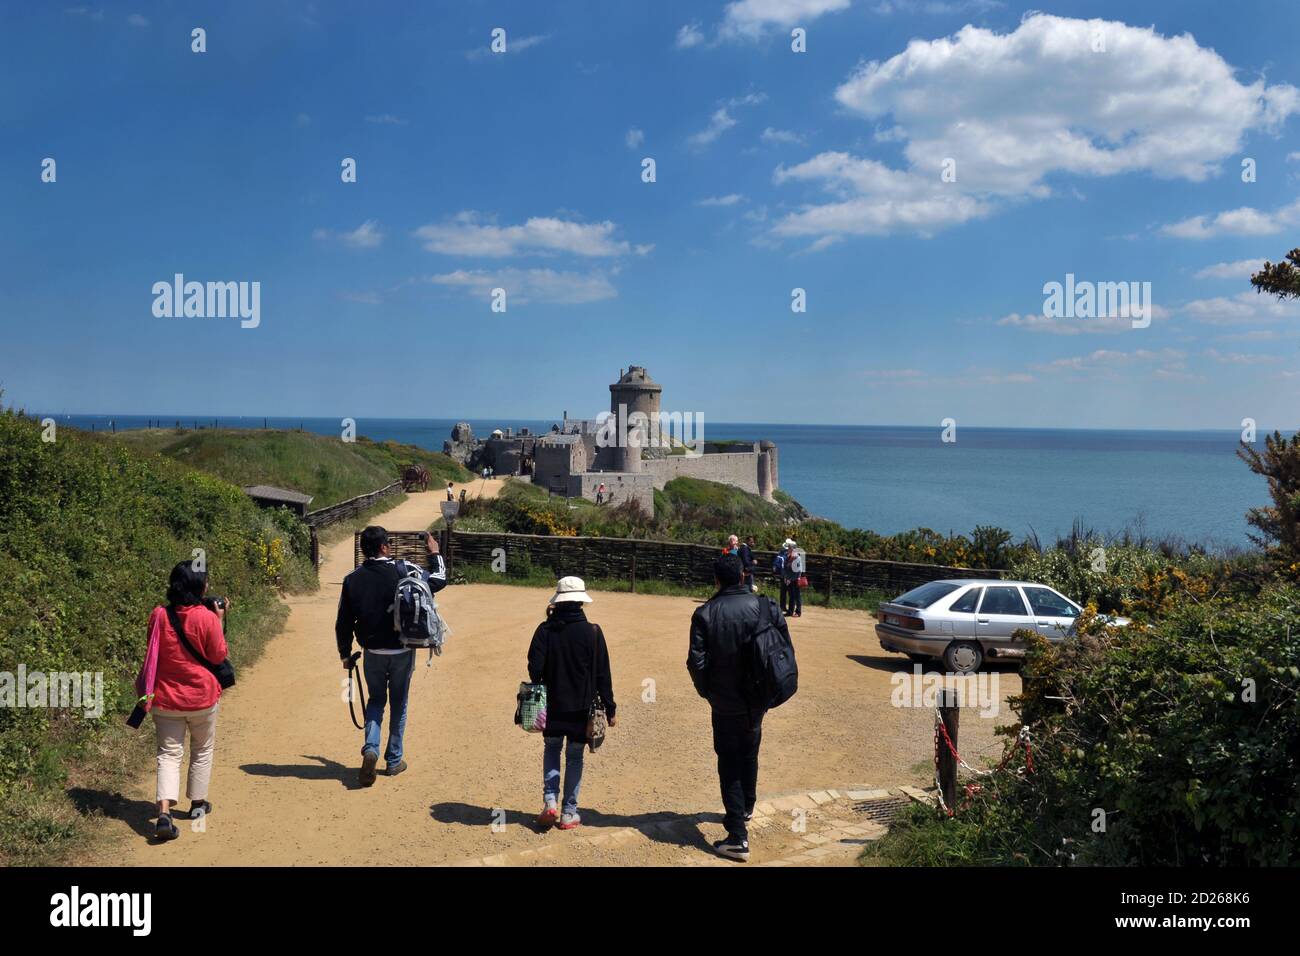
x=959, y=620
x=1054, y=615
x=1002, y=612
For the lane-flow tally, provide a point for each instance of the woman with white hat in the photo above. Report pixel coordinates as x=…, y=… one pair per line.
x=569, y=655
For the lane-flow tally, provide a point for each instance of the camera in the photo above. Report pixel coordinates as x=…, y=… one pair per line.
x=215, y=604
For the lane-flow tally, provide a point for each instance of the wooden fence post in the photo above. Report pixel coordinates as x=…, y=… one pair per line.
x=315, y=549
x=830, y=580
x=948, y=714
x=632, y=581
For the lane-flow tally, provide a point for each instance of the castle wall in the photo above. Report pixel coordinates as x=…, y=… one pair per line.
x=739, y=469
x=619, y=487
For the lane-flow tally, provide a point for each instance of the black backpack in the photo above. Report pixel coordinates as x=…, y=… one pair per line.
x=768, y=670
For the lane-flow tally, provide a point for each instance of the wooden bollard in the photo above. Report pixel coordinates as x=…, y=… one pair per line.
x=949, y=714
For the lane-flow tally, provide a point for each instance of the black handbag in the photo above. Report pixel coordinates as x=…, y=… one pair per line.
x=223, y=672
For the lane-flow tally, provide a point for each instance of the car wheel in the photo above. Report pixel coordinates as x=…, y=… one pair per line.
x=963, y=657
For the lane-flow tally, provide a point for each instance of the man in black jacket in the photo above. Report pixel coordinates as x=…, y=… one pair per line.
x=366, y=613
x=720, y=628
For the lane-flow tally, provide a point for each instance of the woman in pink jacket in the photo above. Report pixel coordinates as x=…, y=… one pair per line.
x=182, y=694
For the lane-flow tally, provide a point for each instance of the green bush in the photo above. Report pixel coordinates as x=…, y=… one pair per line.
x=1186, y=734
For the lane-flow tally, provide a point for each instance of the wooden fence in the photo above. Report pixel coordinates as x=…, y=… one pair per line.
x=353, y=506
x=689, y=564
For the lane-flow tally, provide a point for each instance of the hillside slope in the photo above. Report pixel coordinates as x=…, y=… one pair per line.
x=325, y=467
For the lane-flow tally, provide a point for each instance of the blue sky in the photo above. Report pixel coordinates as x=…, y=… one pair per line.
x=775, y=170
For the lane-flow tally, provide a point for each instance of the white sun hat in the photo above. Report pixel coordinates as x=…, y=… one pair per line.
x=789, y=543
x=571, y=589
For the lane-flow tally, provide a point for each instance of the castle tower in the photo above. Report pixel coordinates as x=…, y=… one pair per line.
x=638, y=393
x=769, y=447
x=765, y=475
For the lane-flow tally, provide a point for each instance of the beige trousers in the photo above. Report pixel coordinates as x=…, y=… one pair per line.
x=170, y=726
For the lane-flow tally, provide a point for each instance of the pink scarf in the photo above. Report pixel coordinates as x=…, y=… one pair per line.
x=144, y=681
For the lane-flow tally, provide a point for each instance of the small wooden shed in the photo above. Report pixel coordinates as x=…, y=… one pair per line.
x=269, y=497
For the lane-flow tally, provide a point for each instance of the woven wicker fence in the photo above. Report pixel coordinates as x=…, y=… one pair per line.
x=678, y=562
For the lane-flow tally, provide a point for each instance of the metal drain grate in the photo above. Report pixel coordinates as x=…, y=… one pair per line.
x=881, y=811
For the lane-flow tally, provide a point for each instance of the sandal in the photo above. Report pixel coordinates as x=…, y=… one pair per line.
x=200, y=808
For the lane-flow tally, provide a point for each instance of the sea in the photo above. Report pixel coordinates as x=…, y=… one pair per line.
x=1184, y=485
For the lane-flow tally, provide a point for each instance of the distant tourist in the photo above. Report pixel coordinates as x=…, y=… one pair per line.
x=366, y=613
x=794, y=576
x=450, y=494
x=778, y=572
x=733, y=545
x=719, y=629
x=600, y=493
x=746, y=552
x=569, y=655
x=181, y=691
x=485, y=472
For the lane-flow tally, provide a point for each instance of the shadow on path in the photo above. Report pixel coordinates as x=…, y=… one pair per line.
x=673, y=829
x=328, y=770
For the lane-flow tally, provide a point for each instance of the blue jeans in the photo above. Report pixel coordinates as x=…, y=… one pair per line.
x=388, y=678
x=572, y=770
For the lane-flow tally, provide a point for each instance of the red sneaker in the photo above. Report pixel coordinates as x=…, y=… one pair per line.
x=548, y=817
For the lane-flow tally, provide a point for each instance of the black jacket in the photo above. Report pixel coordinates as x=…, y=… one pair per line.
x=560, y=657
x=366, y=603
x=719, y=627
x=746, y=557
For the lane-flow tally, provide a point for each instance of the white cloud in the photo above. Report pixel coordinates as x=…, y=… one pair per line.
x=467, y=234
x=1037, y=322
x=872, y=199
x=936, y=7
x=386, y=119
x=302, y=121
x=1241, y=269
x=530, y=285
x=368, y=235
x=513, y=45
x=771, y=135
x=1240, y=358
x=1244, y=221
x=690, y=35
x=1245, y=308
x=1168, y=363
x=1016, y=110
x=751, y=19
x=137, y=20
x=634, y=138
x=730, y=199
x=719, y=123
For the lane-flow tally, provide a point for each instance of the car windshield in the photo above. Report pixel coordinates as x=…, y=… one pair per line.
x=926, y=594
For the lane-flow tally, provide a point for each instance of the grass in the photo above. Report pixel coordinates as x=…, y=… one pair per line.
x=325, y=467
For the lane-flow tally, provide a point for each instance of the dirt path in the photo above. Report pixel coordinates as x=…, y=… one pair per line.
x=284, y=785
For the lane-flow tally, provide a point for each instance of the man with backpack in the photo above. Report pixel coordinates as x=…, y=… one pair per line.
x=742, y=662
x=386, y=605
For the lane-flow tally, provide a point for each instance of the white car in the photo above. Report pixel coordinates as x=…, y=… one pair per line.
x=964, y=621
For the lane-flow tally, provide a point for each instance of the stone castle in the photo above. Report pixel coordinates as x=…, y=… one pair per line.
x=632, y=451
